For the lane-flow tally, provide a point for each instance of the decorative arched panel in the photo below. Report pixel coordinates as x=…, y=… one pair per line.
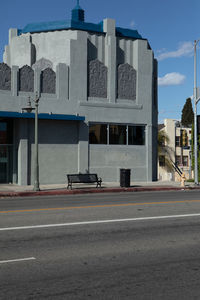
x=5, y=77
x=48, y=81
x=42, y=64
x=126, y=82
x=26, y=79
x=97, y=79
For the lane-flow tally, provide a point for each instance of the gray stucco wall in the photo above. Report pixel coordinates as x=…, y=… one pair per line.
x=58, y=150
x=108, y=160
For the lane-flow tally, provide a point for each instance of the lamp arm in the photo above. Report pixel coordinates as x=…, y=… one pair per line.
x=197, y=100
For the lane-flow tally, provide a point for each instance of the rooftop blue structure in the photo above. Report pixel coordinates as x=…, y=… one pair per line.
x=77, y=22
x=78, y=13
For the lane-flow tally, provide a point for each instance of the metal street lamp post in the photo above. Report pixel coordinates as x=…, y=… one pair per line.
x=29, y=109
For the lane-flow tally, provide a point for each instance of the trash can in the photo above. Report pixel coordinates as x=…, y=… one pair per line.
x=125, y=177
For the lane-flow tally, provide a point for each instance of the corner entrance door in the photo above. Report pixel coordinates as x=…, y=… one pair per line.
x=6, y=150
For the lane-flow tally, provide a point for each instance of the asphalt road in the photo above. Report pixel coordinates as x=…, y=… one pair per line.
x=114, y=246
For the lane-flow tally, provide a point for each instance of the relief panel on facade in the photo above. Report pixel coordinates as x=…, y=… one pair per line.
x=48, y=81
x=26, y=79
x=5, y=77
x=97, y=79
x=42, y=64
x=126, y=82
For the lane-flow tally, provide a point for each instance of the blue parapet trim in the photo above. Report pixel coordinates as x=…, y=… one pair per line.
x=87, y=26
x=61, y=25
x=8, y=114
x=46, y=26
x=78, y=25
x=128, y=33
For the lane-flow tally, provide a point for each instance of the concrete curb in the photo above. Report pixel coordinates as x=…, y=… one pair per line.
x=94, y=191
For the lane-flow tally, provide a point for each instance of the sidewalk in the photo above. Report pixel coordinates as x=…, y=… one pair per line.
x=13, y=190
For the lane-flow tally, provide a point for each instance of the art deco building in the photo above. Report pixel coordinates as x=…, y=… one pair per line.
x=97, y=85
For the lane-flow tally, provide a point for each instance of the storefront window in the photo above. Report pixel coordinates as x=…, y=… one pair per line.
x=6, y=132
x=6, y=151
x=136, y=135
x=3, y=133
x=98, y=134
x=117, y=134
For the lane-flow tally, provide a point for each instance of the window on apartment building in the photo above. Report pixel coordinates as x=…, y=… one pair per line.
x=161, y=160
x=184, y=138
x=115, y=134
x=177, y=141
x=185, y=161
x=178, y=160
x=161, y=139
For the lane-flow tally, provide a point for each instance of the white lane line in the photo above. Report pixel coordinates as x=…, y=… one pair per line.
x=100, y=222
x=16, y=260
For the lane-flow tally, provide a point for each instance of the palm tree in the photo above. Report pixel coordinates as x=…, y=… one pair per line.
x=165, y=150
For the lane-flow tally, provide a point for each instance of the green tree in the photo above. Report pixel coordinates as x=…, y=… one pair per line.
x=187, y=116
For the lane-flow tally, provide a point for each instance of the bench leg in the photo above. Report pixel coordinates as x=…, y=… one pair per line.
x=69, y=186
x=98, y=184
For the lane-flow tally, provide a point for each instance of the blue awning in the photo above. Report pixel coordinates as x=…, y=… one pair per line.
x=50, y=116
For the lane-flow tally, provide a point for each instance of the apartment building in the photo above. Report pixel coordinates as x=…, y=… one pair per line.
x=177, y=149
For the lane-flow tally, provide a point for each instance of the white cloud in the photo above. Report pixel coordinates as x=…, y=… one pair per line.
x=184, y=49
x=132, y=24
x=173, y=78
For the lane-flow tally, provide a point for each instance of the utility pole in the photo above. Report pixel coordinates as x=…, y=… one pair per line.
x=196, y=99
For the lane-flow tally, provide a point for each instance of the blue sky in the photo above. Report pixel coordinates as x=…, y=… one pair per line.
x=170, y=26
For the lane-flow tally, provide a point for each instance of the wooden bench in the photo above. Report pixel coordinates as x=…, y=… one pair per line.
x=83, y=178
